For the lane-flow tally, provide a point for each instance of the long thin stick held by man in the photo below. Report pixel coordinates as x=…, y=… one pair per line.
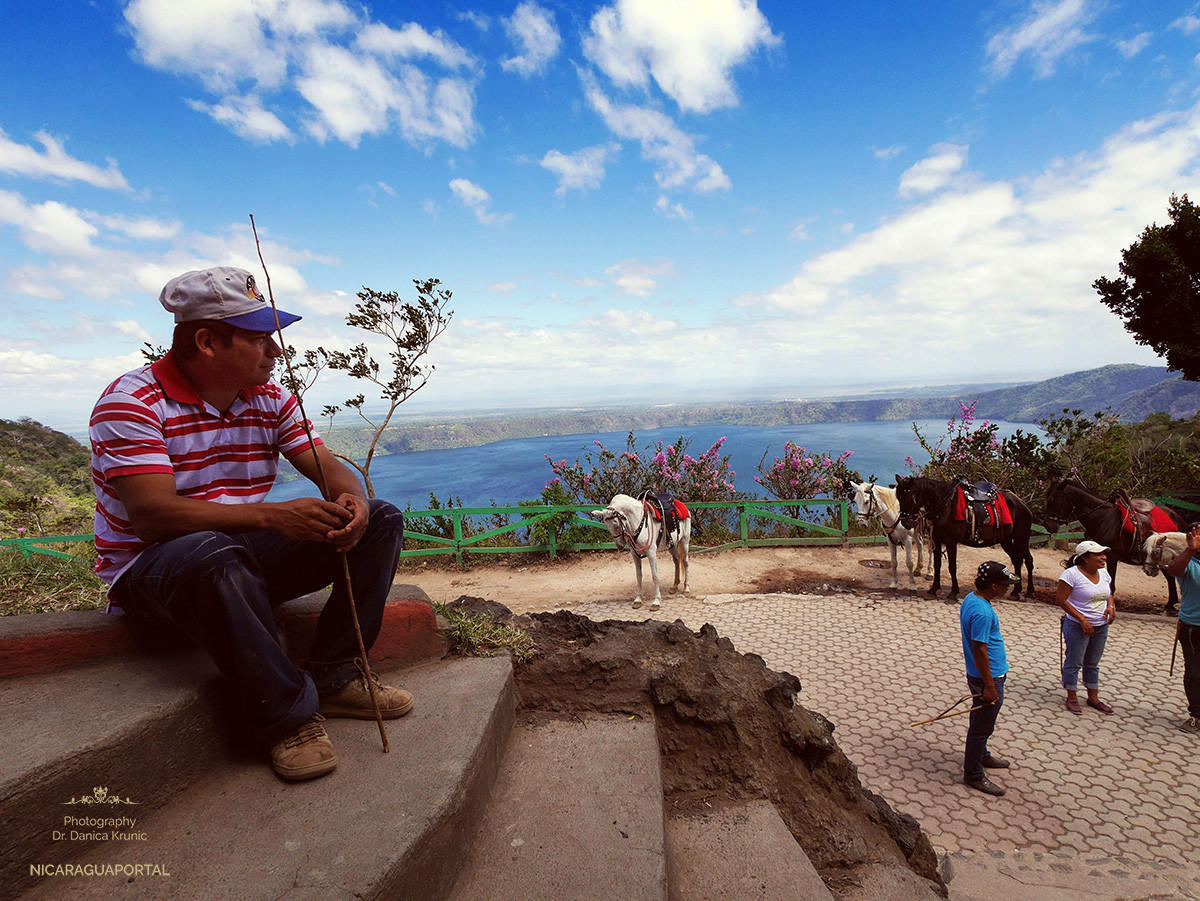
x=362, y=650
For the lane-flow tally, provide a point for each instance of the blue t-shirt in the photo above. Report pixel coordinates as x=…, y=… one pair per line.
x=979, y=623
x=1189, y=593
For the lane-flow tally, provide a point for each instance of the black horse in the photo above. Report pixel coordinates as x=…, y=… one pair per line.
x=1068, y=500
x=937, y=501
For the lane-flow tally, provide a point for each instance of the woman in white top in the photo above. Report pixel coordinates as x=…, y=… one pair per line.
x=1085, y=593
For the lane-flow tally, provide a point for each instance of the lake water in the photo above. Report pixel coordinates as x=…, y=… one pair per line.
x=506, y=472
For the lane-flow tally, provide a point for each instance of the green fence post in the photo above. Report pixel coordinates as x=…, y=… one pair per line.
x=458, y=536
x=744, y=523
x=845, y=511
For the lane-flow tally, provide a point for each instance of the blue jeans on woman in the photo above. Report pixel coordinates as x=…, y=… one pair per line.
x=983, y=724
x=1083, y=652
x=221, y=590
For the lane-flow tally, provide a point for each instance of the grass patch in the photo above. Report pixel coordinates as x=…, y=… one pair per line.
x=44, y=584
x=478, y=635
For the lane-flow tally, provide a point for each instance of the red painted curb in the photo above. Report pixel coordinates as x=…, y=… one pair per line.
x=44, y=642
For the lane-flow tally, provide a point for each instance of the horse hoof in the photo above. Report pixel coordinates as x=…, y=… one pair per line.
x=655, y=605
x=637, y=603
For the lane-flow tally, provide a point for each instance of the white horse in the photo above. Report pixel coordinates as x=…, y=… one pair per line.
x=1160, y=549
x=876, y=500
x=633, y=525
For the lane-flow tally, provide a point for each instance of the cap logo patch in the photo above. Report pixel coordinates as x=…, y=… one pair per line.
x=252, y=290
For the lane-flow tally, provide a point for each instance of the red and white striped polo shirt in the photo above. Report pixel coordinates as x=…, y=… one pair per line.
x=152, y=421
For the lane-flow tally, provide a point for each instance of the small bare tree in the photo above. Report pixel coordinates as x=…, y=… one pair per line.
x=410, y=329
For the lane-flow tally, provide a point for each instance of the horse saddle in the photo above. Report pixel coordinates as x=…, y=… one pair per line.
x=984, y=509
x=1142, y=516
x=667, y=510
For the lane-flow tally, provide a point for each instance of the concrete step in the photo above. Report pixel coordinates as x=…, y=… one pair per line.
x=133, y=728
x=576, y=815
x=391, y=825
x=737, y=852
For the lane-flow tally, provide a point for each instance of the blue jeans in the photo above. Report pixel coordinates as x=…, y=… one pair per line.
x=221, y=590
x=1083, y=651
x=983, y=724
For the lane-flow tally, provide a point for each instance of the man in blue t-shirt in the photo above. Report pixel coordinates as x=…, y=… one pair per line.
x=987, y=666
x=1186, y=570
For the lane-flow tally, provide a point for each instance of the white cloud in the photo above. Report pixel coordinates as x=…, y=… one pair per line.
x=413, y=42
x=357, y=77
x=638, y=279
x=886, y=153
x=678, y=162
x=531, y=27
x=581, y=170
x=246, y=118
x=1134, y=45
x=505, y=288
x=54, y=163
x=49, y=227
x=935, y=171
x=798, y=233
x=141, y=228
x=673, y=210
x=476, y=199
x=1014, y=260
x=689, y=53
x=1186, y=24
x=1052, y=30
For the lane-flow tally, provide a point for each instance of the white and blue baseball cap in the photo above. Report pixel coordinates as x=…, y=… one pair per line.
x=225, y=293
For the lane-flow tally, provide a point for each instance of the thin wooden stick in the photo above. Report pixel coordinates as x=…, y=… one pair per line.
x=946, y=714
x=324, y=486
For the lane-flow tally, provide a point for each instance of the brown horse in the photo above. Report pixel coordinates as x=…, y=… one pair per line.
x=1102, y=521
x=936, y=500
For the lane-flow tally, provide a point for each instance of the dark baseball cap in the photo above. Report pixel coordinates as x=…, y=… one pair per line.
x=993, y=572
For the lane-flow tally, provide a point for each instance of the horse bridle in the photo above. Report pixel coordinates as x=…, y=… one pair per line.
x=875, y=507
x=1154, y=558
x=923, y=512
x=1079, y=516
x=629, y=534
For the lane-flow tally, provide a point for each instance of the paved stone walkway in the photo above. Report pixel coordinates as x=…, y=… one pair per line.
x=1124, y=786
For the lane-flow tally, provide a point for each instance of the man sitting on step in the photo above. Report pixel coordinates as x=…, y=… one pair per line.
x=184, y=452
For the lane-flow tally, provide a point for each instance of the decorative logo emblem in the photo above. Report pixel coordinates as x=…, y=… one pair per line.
x=100, y=795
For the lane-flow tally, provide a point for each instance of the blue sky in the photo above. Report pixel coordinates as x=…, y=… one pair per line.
x=646, y=200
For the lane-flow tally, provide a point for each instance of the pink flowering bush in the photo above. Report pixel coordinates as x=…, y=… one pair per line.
x=802, y=475
x=971, y=448
x=663, y=469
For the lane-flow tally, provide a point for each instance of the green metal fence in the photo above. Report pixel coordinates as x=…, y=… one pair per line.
x=27, y=547
x=456, y=531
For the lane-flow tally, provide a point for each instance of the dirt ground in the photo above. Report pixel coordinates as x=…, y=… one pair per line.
x=526, y=585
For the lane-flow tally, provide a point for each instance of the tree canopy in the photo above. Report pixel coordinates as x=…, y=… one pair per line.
x=1158, y=292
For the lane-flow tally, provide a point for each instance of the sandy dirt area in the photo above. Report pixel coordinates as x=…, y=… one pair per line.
x=526, y=585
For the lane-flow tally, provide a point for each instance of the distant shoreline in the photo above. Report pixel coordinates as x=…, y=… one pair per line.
x=1126, y=388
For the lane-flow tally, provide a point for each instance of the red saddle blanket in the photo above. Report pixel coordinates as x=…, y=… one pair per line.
x=681, y=509
x=1160, y=520
x=997, y=510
